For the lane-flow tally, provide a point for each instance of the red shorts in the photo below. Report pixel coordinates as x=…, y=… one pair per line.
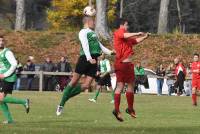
x=124, y=72
x=196, y=83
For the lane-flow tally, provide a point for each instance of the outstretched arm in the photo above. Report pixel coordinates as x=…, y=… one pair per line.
x=128, y=35
x=140, y=39
x=105, y=50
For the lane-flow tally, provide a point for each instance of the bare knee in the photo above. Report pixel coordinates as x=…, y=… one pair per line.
x=1, y=97
x=120, y=87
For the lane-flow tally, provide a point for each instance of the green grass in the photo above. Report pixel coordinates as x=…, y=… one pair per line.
x=156, y=115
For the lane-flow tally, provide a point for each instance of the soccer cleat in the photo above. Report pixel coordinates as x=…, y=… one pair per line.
x=118, y=116
x=59, y=110
x=194, y=104
x=92, y=100
x=131, y=113
x=7, y=122
x=112, y=101
x=27, y=106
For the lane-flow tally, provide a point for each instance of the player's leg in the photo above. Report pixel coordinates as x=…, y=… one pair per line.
x=94, y=99
x=117, y=99
x=130, y=99
x=8, y=87
x=5, y=109
x=67, y=92
x=68, y=89
x=194, y=97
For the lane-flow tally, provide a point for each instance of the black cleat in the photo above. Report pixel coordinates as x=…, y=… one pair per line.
x=131, y=113
x=118, y=115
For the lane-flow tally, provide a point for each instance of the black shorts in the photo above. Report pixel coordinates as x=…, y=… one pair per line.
x=85, y=67
x=6, y=87
x=104, y=81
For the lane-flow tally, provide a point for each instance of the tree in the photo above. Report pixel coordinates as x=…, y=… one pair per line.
x=121, y=8
x=101, y=20
x=20, y=23
x=163, y=17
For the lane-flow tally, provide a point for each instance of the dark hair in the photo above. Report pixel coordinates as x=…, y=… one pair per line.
x=196, y=54
x=1, y=36
x=121, y=21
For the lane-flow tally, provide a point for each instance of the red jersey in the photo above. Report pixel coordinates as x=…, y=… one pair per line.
x=195, y=66
x=179, y=68
x=122, y=46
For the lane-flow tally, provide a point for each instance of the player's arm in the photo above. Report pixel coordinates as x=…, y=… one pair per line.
x=85, y=45
x=129, y=35
x=142, y=38
x=106, y=50
x=11, y=59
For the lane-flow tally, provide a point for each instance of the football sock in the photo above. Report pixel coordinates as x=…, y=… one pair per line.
x=117, y=98
x=194, y=99
x=6, y=112
x=96, y=94
x=13, y=100
x=112, y=94
x=130, y=99
x=66, y=95
x=75, y=91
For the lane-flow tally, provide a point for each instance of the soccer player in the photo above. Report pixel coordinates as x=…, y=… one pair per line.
x=103, y=77
x=124, y=68
x=195, y=69
x=8, y=77
x=87, y=63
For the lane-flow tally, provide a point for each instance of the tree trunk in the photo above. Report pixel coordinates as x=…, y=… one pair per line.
x=20, y=23
x=90, y=2
x=101, y=20
x=179, y=16
x=163, y=17
x=121, y=8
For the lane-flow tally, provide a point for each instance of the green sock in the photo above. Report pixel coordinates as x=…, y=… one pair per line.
x=6, y=112
x=66, y=95
x=76, y=90
x=112, y=94
x=96, y=94
x=13, y=100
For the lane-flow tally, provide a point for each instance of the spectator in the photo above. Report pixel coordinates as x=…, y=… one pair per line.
x=170, y=79
x=30, y=66
x=63, y=66
x=139, y=74
x=180, y=73
x=188, y=81
x=18, y=71
x=48, y=66
x=160, y=72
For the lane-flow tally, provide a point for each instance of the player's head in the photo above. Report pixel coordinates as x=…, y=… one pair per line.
x=176, y=61
x=89, y=22
x=123, y=23
x=63, y=59
x=2, y=41
x=196, y=57
x=48, y=59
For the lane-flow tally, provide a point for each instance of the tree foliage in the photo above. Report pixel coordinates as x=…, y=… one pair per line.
x=65, y=13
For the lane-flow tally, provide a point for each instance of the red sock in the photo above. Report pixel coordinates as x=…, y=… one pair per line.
x=194, y=99
x=130, y=100
x=117, y=98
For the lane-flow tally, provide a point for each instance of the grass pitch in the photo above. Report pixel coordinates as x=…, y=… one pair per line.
x=155, y=115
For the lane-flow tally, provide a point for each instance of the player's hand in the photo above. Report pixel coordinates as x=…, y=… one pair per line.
x=113, y=52
x=92, y=61
x=1, y=76
x=140, y=33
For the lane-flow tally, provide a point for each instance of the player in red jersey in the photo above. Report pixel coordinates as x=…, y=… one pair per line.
x=195, y=69
x=124, y=68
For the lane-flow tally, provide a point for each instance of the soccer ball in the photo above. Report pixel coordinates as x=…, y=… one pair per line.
x=89, y=11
